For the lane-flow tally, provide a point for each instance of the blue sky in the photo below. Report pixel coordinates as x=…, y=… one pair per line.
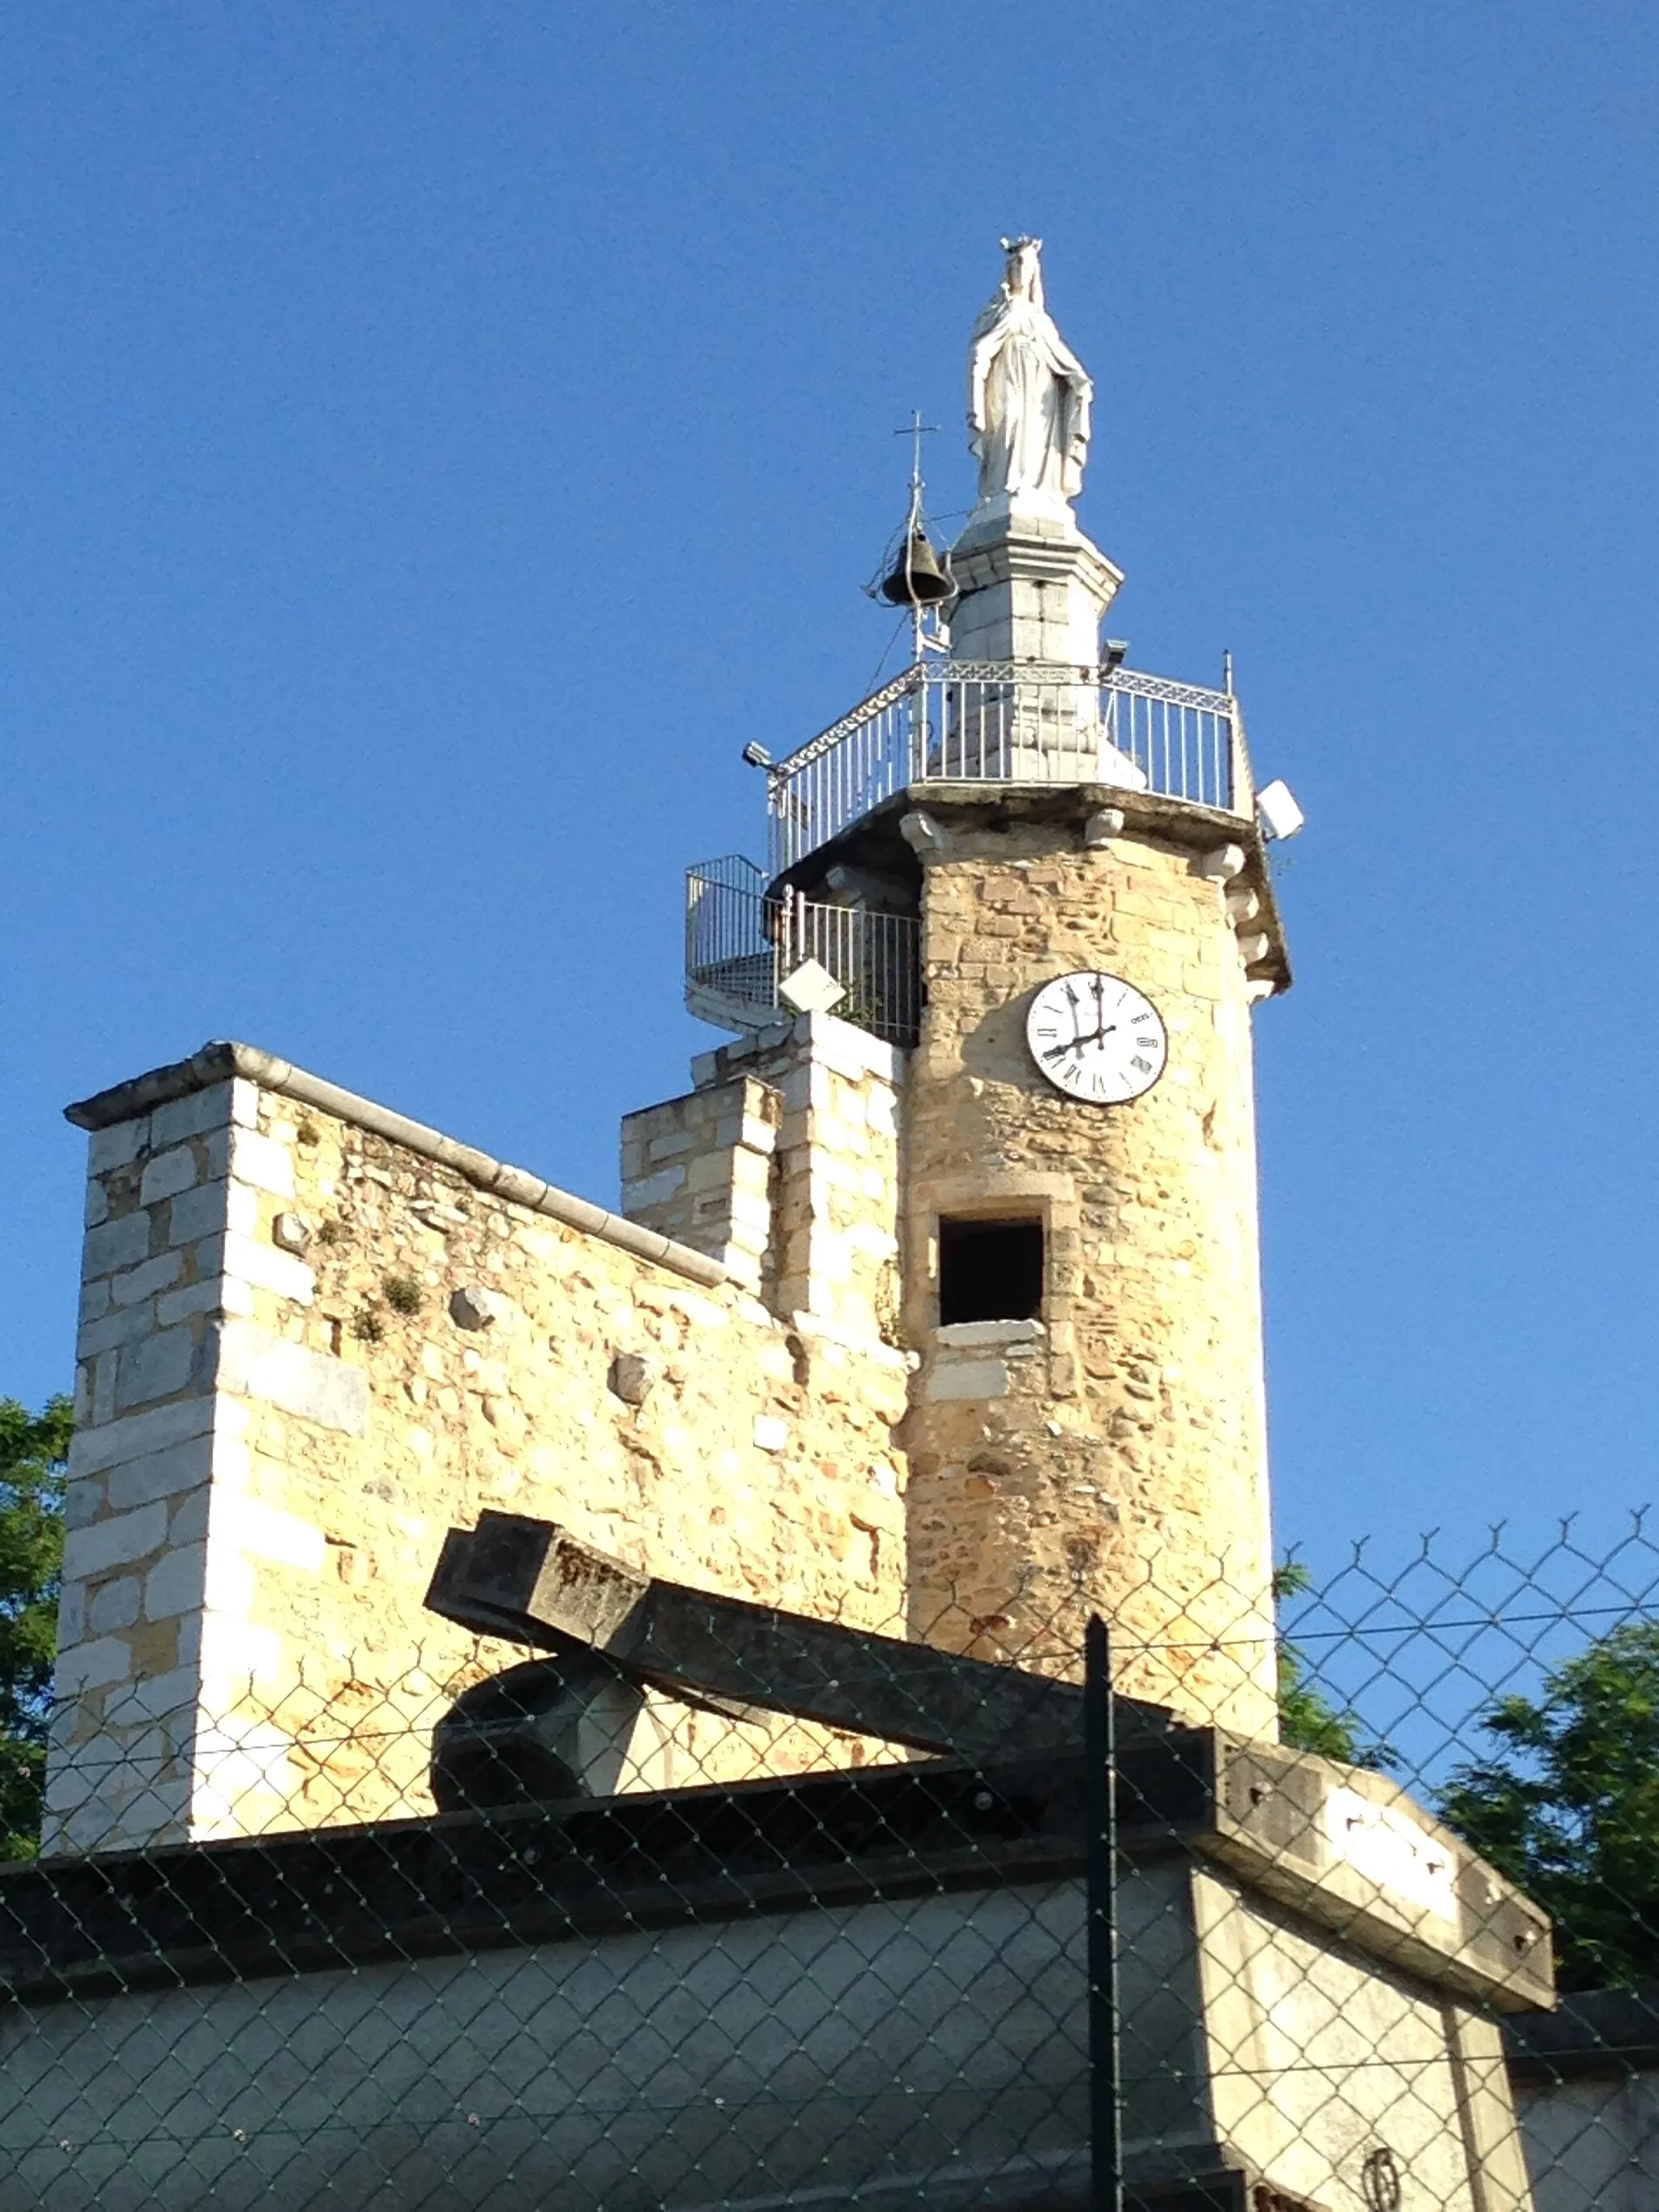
x=435, y=440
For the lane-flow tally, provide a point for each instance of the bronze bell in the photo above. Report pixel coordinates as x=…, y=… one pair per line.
x=917, y=579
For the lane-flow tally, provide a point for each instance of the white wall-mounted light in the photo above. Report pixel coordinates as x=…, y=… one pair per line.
x=812, y=989
x=1277, y=811
x=757, y=755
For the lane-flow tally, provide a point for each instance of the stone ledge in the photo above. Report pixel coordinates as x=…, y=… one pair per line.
x=221, y=1060
x=966, y=1335
x=331, y=1897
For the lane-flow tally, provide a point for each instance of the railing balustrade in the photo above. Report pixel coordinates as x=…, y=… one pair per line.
x=741, y=945
x=1009, y=722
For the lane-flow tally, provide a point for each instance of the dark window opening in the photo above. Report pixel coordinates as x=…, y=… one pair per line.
x=989, y=1271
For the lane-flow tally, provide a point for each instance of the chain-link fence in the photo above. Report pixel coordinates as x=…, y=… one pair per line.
x=656, y=1899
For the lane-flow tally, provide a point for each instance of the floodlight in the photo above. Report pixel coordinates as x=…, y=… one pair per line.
x=757, y=755
x=1277, y=811
x=812, y=989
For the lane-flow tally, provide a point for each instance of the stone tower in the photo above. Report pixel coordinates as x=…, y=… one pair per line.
x=1079, y=1236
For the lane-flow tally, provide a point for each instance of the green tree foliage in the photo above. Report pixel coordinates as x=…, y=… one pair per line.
x=33, y=1448
x=1306, y=1719
x=1568, y=1806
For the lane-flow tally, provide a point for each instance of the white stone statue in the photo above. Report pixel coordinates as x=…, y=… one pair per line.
x=1028, y=394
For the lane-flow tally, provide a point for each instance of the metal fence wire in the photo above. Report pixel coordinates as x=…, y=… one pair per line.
x=656, y=1898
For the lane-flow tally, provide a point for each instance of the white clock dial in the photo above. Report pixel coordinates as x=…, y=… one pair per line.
x=1096, y=1038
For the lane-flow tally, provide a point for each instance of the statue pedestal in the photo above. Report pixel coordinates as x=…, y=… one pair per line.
x=1033, y=587
x=1033, y=590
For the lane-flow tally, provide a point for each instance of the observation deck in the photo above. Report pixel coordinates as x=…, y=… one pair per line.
x=1031, y=728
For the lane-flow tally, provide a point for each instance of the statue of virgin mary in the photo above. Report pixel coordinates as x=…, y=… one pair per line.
x=1028, y=394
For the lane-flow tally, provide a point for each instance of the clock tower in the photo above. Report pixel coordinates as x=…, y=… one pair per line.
x=1044, y=874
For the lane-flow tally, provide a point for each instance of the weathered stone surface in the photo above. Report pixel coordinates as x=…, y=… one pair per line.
x=1125, y=1468
x=143, y=1281
x=165, y=1174
x=192, y=1117
x=290, y=1509
x=159, y=1367
x=967, y=1378
x=114, y=1542
x=260, y=1160
x=199, y=1212
x=316, y=1386
x=137, y=1437
x=112, y=1244
x=116, y=1605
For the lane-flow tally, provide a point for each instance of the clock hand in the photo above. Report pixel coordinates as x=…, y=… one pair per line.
x=1059, y=1051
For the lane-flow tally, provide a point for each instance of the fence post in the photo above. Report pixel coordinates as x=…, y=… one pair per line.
x=1100, y=1837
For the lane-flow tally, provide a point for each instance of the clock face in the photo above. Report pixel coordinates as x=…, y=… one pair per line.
x=1096, y=1038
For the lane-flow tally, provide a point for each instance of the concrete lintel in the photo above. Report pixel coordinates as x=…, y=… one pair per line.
x=223, y=1059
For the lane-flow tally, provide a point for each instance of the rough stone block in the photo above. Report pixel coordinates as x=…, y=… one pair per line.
x=144, y=1280
x=188, y=1521
x=652, y=1189
x=245, y=1260
x=969, y=1378
x=671, y=1144
x=262, y=1162
x=116, y=1147
x=89, y=1666
x=266, y=1532
x=115, y=1606
x=127, y=1325
x=155, y=1698
x=234, y=1652
x=177, y=1584
x=771, y=1435
x=115, y=1244
x=71, y=1614
x=157, y=1368
x=191, y=1117
x=313, y=1385
x=114, y=1543
x=166, y=1174
x=631, y=1377
x=964, y=1335
x=85, y=1501
x=208, y=1210
x=194, y=1298
x=162, y=1475
x=91, y=1450
x=472, y=1306
x=231, y=1588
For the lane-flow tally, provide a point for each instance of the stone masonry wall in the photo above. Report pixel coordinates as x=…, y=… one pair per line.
x=784, y=1163
x=307, y=1351
x=1114, y=1455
